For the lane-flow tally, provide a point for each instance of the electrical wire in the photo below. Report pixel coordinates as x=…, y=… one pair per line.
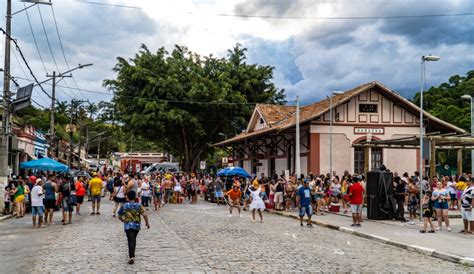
x=34, y=39
x=49, y=44
x=297, y=17
x=62, y=48
x=157, y=100
x=24, y=60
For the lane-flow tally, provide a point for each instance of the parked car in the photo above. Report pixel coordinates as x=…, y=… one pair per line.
x=161, y=167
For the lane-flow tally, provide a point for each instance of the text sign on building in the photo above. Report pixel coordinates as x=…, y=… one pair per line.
x=366, y=130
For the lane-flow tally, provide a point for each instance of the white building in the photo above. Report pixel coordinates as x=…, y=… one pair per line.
x=368, y=112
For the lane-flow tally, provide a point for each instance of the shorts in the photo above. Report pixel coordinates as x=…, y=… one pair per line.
x=305, y=209
x=119, y=200
x=96, y=198
x=19, y=198
x=453, y=196
x=66, y=206
x=37, y=211
x=318, y=197
x=49, y=203
x=278, y=199
x=169, y=192
x=235, y=202
x=356, y=209
x=80, y=199
x=427, y=213
x=466, y=214
x=441, y=205
x=219, y=194
x=158, y=195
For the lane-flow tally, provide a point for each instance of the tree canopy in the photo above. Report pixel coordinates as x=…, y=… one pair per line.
x=445, y=101
x=185, y=101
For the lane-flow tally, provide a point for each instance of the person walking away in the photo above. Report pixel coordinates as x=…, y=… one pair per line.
x=303, y=200
x=461, y=185
x=427, y=212
x=37, y=207
x=257, y=202
x=68, y=199
x=356, y=193
x=95, y=184
x=130, y=214
x=400, y=193
x=80, y=193
x=440, y=198
x=467, y=203
x=234, y=195
x=178, y=189
x=145, y=192
x=118, y=196
x=110, y=186
x=218, y=190
x=49, y=188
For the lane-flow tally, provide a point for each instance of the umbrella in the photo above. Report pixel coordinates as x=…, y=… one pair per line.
x=233, y=171
x=46, y=164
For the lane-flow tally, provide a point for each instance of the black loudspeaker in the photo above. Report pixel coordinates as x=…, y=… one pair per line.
x=380, y=197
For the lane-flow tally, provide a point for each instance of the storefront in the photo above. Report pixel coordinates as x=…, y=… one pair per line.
x=368, y=112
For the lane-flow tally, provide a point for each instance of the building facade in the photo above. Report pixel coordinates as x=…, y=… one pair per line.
x=368, y=112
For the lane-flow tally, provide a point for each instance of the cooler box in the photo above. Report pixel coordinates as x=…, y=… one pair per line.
x=334, y=208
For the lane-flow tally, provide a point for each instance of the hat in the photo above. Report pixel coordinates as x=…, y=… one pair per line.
x=168, y=176
x=94, y=174
x=255, y=184
x=38, y=180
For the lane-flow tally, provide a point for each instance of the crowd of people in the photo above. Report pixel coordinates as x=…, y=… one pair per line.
x=134, y=194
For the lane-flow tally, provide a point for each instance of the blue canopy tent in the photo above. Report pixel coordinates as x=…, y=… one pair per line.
x=233, y=171
x=46, y=164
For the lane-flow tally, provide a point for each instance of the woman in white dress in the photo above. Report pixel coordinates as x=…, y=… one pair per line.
x=257, y=202
x=178, y=190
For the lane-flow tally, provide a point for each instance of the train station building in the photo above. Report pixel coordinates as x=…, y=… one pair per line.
x=369, y=112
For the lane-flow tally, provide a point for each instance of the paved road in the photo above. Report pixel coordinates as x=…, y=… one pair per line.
x=199, y=238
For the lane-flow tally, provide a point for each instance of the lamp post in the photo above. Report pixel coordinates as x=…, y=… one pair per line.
x=469, y=97
x=297, y=141
x=330, y=129
x=427, y=58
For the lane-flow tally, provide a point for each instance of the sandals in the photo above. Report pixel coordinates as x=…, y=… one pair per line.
x=422, y=231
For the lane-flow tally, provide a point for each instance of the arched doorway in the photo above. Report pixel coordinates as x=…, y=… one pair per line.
x=376, y=156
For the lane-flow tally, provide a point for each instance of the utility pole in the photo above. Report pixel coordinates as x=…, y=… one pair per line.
x=51, y=126
x=4, y=168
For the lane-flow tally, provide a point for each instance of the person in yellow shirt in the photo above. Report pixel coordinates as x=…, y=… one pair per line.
x=95, y=185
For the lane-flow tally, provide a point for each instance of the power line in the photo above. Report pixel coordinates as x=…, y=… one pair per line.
x=40, y=105
x=24, y=60
x=297, y=17
x=155, y=99
x=62, y=48
x=49, y=44
x=34, y=39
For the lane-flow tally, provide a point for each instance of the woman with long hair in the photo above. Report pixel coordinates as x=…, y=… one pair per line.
x=441, y=198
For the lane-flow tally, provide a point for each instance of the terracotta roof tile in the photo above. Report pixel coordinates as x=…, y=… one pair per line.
x=280, y=117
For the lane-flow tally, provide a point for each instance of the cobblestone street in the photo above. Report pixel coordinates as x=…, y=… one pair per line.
x=199, y=237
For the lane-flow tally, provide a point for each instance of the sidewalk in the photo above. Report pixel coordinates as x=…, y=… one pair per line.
x=451, y=246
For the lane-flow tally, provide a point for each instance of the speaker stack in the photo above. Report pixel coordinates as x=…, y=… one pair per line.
x=380, y=196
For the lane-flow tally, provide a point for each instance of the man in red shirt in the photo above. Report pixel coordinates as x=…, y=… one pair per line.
x=356, y=193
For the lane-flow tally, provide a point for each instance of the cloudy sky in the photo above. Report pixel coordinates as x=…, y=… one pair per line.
x=316, y=46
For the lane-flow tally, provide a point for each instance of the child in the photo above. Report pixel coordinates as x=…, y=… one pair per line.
x=6, y=201
x=130, y=214
x=427, y=209
x=257, y=202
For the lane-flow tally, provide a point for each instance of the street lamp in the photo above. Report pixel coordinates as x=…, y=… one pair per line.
x=334, y=93
x=469, y=97
x=427, y=58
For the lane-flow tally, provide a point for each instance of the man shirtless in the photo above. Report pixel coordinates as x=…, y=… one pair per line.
x=168, y=186
x=289, y=195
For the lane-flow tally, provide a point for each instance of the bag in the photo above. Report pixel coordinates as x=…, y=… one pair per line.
x=72, y=200
x=346, y=197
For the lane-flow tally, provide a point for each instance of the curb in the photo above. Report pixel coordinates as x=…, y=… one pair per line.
x=419, y=249
x=3, y=218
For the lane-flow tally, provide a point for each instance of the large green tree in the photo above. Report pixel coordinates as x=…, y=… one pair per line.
x=445, y=100
x=186, y=101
